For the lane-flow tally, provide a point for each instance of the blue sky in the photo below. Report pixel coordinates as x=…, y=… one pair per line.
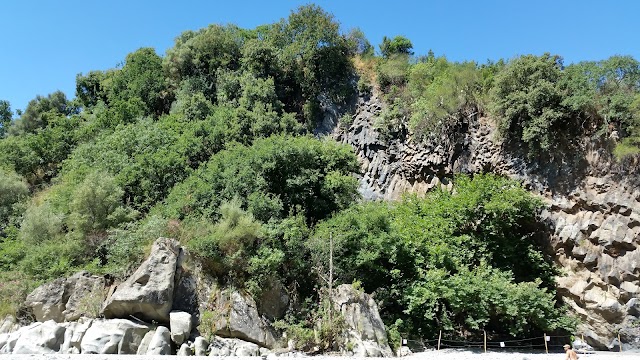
x=46, y=43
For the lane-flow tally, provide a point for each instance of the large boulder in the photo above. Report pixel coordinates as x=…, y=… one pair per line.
x=48, y=301
x=115, y=336
x=236, y=316
x=365, y=329
x=41, y=338
x=67, y=299
x=148, y=293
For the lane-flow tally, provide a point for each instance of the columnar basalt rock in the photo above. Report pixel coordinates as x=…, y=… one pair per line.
x=593, y=213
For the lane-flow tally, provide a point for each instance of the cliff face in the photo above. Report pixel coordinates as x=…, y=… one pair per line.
x=592, y=221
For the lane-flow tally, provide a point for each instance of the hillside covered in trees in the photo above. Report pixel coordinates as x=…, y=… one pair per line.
x=214, y=144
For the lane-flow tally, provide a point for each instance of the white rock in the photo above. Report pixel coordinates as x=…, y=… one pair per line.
x=180, y=323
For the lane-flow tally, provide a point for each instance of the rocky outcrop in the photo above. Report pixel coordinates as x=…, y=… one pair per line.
x=234, y=347
x=365, y=330
x=593, y=215
x=67, y=299
x=148, y=293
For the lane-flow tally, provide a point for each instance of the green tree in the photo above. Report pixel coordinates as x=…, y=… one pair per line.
x=13, y=189
x=528, y=102
x=273, y=177
x=41, y=110
x=6, y=115
x=399, y=45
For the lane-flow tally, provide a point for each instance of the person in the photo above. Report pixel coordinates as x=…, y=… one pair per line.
x=571, y=354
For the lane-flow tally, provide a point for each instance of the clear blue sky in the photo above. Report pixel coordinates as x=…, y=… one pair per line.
x=46, y=43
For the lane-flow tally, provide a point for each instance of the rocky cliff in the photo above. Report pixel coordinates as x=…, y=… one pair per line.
x=592, y=220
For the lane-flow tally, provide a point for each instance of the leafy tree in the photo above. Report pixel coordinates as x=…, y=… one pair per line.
x=399, y=45
x=141, y=78
x=6, y=115
x=528, y=102
x=359, y=43
x=41, y=110
x=273, y=177
x=461, y=261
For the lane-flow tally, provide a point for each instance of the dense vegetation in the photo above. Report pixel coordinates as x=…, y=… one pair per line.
x=212, y=144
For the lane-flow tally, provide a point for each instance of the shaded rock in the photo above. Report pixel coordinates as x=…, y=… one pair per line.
x=365, y=328
x=274, y=301
x=85, y=296
x=144, y=344
x=148, y=293
x=43, y=338
x=115, y=336
x=181, y=323
x=160, y=343
x=238, y=317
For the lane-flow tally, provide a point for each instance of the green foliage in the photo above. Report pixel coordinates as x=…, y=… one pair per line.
x=442, y=94
x=273, y=177
x=399, y=45
x=96, y=204
x=41, y=223
x=228, y=247
x=40, y=110
x=14, y=288
x=528, y=101
x=13, y=190
x=460, y=261
x=6, y=116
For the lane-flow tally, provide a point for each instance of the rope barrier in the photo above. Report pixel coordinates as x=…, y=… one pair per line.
x=539, y=342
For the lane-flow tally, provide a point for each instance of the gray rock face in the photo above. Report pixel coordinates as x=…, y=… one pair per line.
x=366, y=331
x=8, y=325
x=67, y=299
x=148, y=293
x=274, y=301
x=115, y=336
x=238, y=317
x=73, y=335
x=593, y=212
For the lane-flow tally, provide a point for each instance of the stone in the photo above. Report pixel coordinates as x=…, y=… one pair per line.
x=85, y=296
x=113, y=336
x=238, y=317
x=148, y=293
x=274, y=301
x=181, y=324
x=8, y=325
x=43, y=338
x=160, y=343
x=365, y=328
x=73, y=335
x=144, y=344
x=48, y=301
x=184, y=350
x=67, y=299
x=200, y=345
x=233, y=347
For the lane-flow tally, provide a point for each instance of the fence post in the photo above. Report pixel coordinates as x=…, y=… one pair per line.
x=485, y=341
x=619, y=342
x=439, y=338
x=546, y=349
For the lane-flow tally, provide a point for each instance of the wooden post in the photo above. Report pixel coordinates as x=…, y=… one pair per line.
x=582, y=337
x=485, y=340
x=546, y=349
x=619, y=342
x=439, y=338
x=330, y=277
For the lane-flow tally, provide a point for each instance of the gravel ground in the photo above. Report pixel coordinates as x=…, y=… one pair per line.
x=428, y=355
